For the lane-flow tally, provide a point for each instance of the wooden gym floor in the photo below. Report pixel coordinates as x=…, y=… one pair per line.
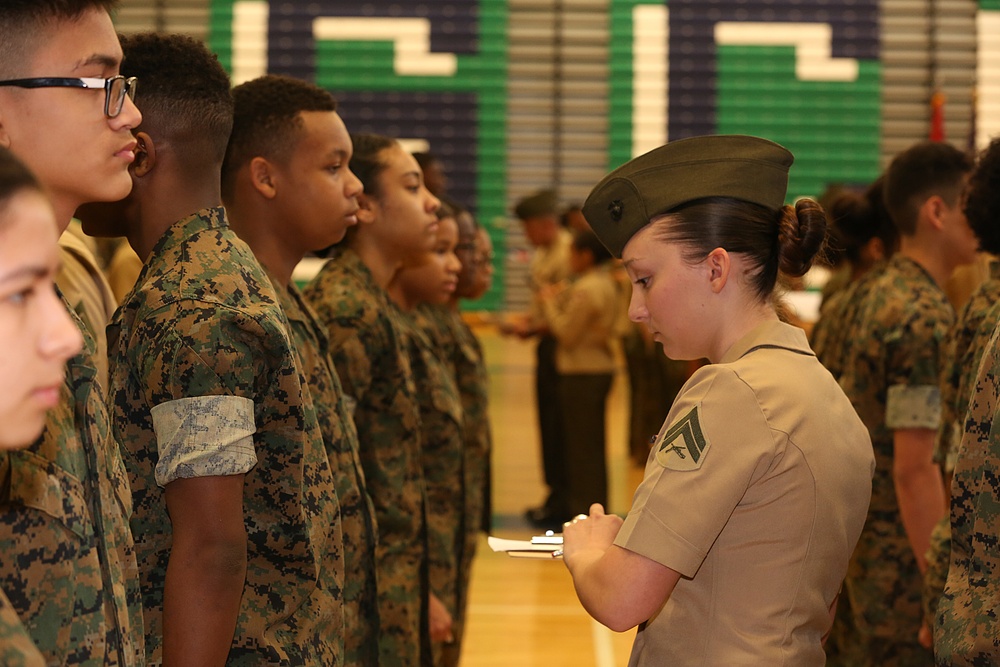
x=524, y=612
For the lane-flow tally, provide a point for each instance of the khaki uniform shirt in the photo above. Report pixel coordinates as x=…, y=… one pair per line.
x=357, y=512
x=205, y=383
x=892, y=377
x=762, y=440
x=548, y=266
x=966, y=631
x=68, y=562
x=85, y=288
x=583, y=319
x=369, y=352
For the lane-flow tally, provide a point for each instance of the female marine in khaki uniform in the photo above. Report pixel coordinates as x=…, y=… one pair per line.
x=757, y=486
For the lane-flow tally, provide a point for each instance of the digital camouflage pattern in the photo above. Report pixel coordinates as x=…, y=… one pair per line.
x=966, y=631
x=361, y=620
x=964, y=348
x=449, y=332
x=838, y=317
x=893, y=364
x=442, y=445
x=370, y=356
x=16, y=647
x=203, y=320
x=69, y=563
x=473, y=385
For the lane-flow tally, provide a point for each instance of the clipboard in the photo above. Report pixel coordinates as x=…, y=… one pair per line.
x=547, y=546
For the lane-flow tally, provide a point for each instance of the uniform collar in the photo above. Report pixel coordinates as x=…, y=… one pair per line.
x=914, y=269
x=177, y=233
x=351, y=263
x=770, y=334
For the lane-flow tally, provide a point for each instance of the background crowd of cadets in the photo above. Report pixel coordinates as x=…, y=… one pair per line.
x=255, y=473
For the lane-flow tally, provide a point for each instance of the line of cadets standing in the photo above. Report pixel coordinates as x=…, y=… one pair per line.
x=923, y=382
x=270, y=449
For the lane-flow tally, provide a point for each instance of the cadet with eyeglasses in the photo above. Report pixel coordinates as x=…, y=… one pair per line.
x=68, y=562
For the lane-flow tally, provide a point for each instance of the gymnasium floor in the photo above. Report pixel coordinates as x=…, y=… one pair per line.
x=522, y=611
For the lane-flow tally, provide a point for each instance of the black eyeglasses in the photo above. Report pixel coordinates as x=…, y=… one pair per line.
x=115, y=88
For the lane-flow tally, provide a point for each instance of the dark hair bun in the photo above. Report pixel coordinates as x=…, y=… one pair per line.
x=801, y=235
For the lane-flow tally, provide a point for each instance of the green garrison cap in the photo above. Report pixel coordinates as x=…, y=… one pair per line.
x=741, y=167
x=541, y=203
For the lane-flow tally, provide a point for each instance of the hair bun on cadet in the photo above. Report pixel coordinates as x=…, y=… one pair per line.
x=740, y=167
x=801, y=235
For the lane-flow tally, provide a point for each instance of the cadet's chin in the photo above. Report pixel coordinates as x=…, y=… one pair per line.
x=22, y=430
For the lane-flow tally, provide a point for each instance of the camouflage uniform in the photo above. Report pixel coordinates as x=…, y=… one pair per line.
x=966, y=631
x=891, y=376
x=68, y=564
x=442, y=445
x=369, y=353
x=964, y=349
x=839, y=316
x=473, y=385
x=966, y=341
x=450, y=334
x=16, y=647
x=357, y=512
x=204, y=383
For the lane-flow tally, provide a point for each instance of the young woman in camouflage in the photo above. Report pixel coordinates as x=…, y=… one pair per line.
x=36, y=338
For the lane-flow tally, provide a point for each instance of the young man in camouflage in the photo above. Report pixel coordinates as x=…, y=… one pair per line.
x=964, y=347
x=68, y=562
x=965, y=629
x=396, y=219
x=289, y=190
x=236, y=515
x=894, y=360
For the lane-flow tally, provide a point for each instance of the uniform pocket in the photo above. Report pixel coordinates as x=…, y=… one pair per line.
x=35, y=482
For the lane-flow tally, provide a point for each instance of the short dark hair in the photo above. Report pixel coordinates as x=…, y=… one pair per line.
x=922, y=171
x=20, y=21
x=183, y=91
x=15, y=177
x=784, y=240
x=982, y=205
x=585, y=240
x=267, y=119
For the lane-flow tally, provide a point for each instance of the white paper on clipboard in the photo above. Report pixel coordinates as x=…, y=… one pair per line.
x=540, y=546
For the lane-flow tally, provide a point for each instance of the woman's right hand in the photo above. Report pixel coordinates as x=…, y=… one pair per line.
x=592, y=534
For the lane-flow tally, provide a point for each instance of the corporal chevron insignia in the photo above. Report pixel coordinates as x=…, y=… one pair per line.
x=683, y=446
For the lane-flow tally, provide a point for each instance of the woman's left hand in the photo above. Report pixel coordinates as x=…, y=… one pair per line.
x=595, y=534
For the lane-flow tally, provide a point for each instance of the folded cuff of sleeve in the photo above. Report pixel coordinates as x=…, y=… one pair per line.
x=204, y=436
x=913, y=407
x=644, y=534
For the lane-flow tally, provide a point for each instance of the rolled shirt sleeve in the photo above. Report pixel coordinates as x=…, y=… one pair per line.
x=204, y=436
x=713, y=446
x=913, y=406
